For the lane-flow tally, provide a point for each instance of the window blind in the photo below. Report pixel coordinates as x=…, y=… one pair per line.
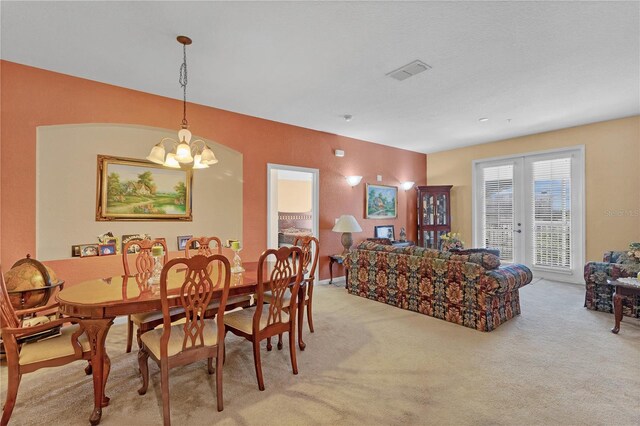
x=551, y=213
x=497, y=218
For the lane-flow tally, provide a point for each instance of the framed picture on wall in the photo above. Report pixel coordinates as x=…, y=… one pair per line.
x=131, y=189
x=381, y=202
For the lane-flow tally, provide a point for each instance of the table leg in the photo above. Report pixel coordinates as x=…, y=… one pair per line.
x=331, y=270
x=97, y=330
x=617, y=311
x=301, y=296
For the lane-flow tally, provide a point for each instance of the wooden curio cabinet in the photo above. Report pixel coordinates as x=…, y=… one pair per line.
x=434, y=214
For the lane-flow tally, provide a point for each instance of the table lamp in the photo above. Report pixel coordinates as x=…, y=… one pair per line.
x=346, y=224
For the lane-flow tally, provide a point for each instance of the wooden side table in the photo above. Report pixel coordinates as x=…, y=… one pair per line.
x=623, y=287
x=334, y=258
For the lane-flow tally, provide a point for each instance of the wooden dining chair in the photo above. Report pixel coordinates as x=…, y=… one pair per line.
x=203, y=246
x=310, y=248
x=25, y=356
x=198, y=338
x=144, y=264
x=207, y=246
x=266, y=320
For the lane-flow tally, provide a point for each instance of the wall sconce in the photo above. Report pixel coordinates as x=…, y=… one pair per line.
x=353, y=180
x=407, y=185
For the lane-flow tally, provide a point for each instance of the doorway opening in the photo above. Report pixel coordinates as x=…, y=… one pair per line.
x=292, y=204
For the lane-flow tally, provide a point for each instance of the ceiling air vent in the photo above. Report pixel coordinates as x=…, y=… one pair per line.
x=409, y=70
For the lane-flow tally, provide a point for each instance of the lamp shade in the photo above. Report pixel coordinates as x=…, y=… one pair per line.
x=347, y=223
x=208, y=157
x=353, y=180
x=157, y=154
x=407, y=185
x=171, y=161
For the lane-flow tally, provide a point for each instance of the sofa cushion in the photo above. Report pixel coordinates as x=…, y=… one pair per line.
x=487, y=260
x=495, y=252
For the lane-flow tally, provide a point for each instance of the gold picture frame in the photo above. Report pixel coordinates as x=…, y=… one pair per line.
x=130, y=189
x=381, y=202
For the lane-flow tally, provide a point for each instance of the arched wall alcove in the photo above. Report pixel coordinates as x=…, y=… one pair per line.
x=66, y=186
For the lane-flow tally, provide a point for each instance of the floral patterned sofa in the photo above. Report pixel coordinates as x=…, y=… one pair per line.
x=466, y=288
x=599, y=294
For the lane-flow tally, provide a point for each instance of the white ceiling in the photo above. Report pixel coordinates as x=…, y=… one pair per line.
x=527, y=66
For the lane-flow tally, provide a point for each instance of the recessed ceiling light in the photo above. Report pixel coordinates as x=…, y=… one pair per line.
x=347, y=117
x=483, y=119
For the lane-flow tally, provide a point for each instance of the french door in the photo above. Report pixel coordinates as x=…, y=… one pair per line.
x=531, y=208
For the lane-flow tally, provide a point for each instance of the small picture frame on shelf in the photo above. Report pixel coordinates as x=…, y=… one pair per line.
x=182, y=241
x=134, y=237
x=115, y=241
x=75, y=250
x=107, y=249
x=89, y=250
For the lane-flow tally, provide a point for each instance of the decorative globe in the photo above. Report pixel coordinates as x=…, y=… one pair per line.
x=27, y=285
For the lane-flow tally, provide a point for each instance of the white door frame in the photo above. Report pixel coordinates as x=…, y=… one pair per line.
x=315, y=200
x=578, y=196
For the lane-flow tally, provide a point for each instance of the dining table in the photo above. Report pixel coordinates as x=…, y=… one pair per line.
x=96, y=303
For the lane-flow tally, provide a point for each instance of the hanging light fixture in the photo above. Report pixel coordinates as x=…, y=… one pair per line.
x=195, y=154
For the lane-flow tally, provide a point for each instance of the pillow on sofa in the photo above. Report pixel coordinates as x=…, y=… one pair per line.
x=482, y=257
x=495, y=252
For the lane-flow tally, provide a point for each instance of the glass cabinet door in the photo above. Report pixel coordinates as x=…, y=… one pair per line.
x=434, y=215
x=441, y=209
x=429, y=239
x=428, y=209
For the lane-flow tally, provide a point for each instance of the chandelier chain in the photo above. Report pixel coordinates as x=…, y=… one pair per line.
x=183, y=82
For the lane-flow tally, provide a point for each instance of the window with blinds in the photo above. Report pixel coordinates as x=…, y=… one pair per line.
x=551, y=213
x=497, y=217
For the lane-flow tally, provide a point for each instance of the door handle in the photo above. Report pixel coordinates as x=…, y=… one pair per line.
x=518, y=230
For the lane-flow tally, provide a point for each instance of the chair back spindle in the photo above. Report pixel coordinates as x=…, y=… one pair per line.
x=287, y=268
x=144, y=261
x=310, y=247
x=195, y=294
x=205, y=248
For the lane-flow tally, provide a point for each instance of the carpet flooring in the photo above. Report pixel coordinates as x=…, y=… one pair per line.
x=370, y=363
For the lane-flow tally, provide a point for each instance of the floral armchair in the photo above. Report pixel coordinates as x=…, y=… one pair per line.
x=615, y=264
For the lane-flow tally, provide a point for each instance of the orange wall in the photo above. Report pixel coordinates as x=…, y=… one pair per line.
x=34, y=97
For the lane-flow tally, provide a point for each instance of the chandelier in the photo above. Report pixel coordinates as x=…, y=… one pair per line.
x=184, y=152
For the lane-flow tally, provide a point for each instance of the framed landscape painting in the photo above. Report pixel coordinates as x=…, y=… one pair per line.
x=130, y=189
x=381, y=202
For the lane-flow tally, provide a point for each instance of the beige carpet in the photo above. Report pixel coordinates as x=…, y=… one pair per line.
x=369, y=363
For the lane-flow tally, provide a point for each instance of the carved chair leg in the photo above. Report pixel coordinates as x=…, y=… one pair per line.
x=12, y=393
x=269, y=346
x=292, y=349
x=219, y=378
x=309, y=314
x=164, y=382
x=139, y=337
x=224, y=347
x=88, y=370
x=210, y=369
x=129, y=333
x=258, y=365
x=280, y=341
x=143, y=364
